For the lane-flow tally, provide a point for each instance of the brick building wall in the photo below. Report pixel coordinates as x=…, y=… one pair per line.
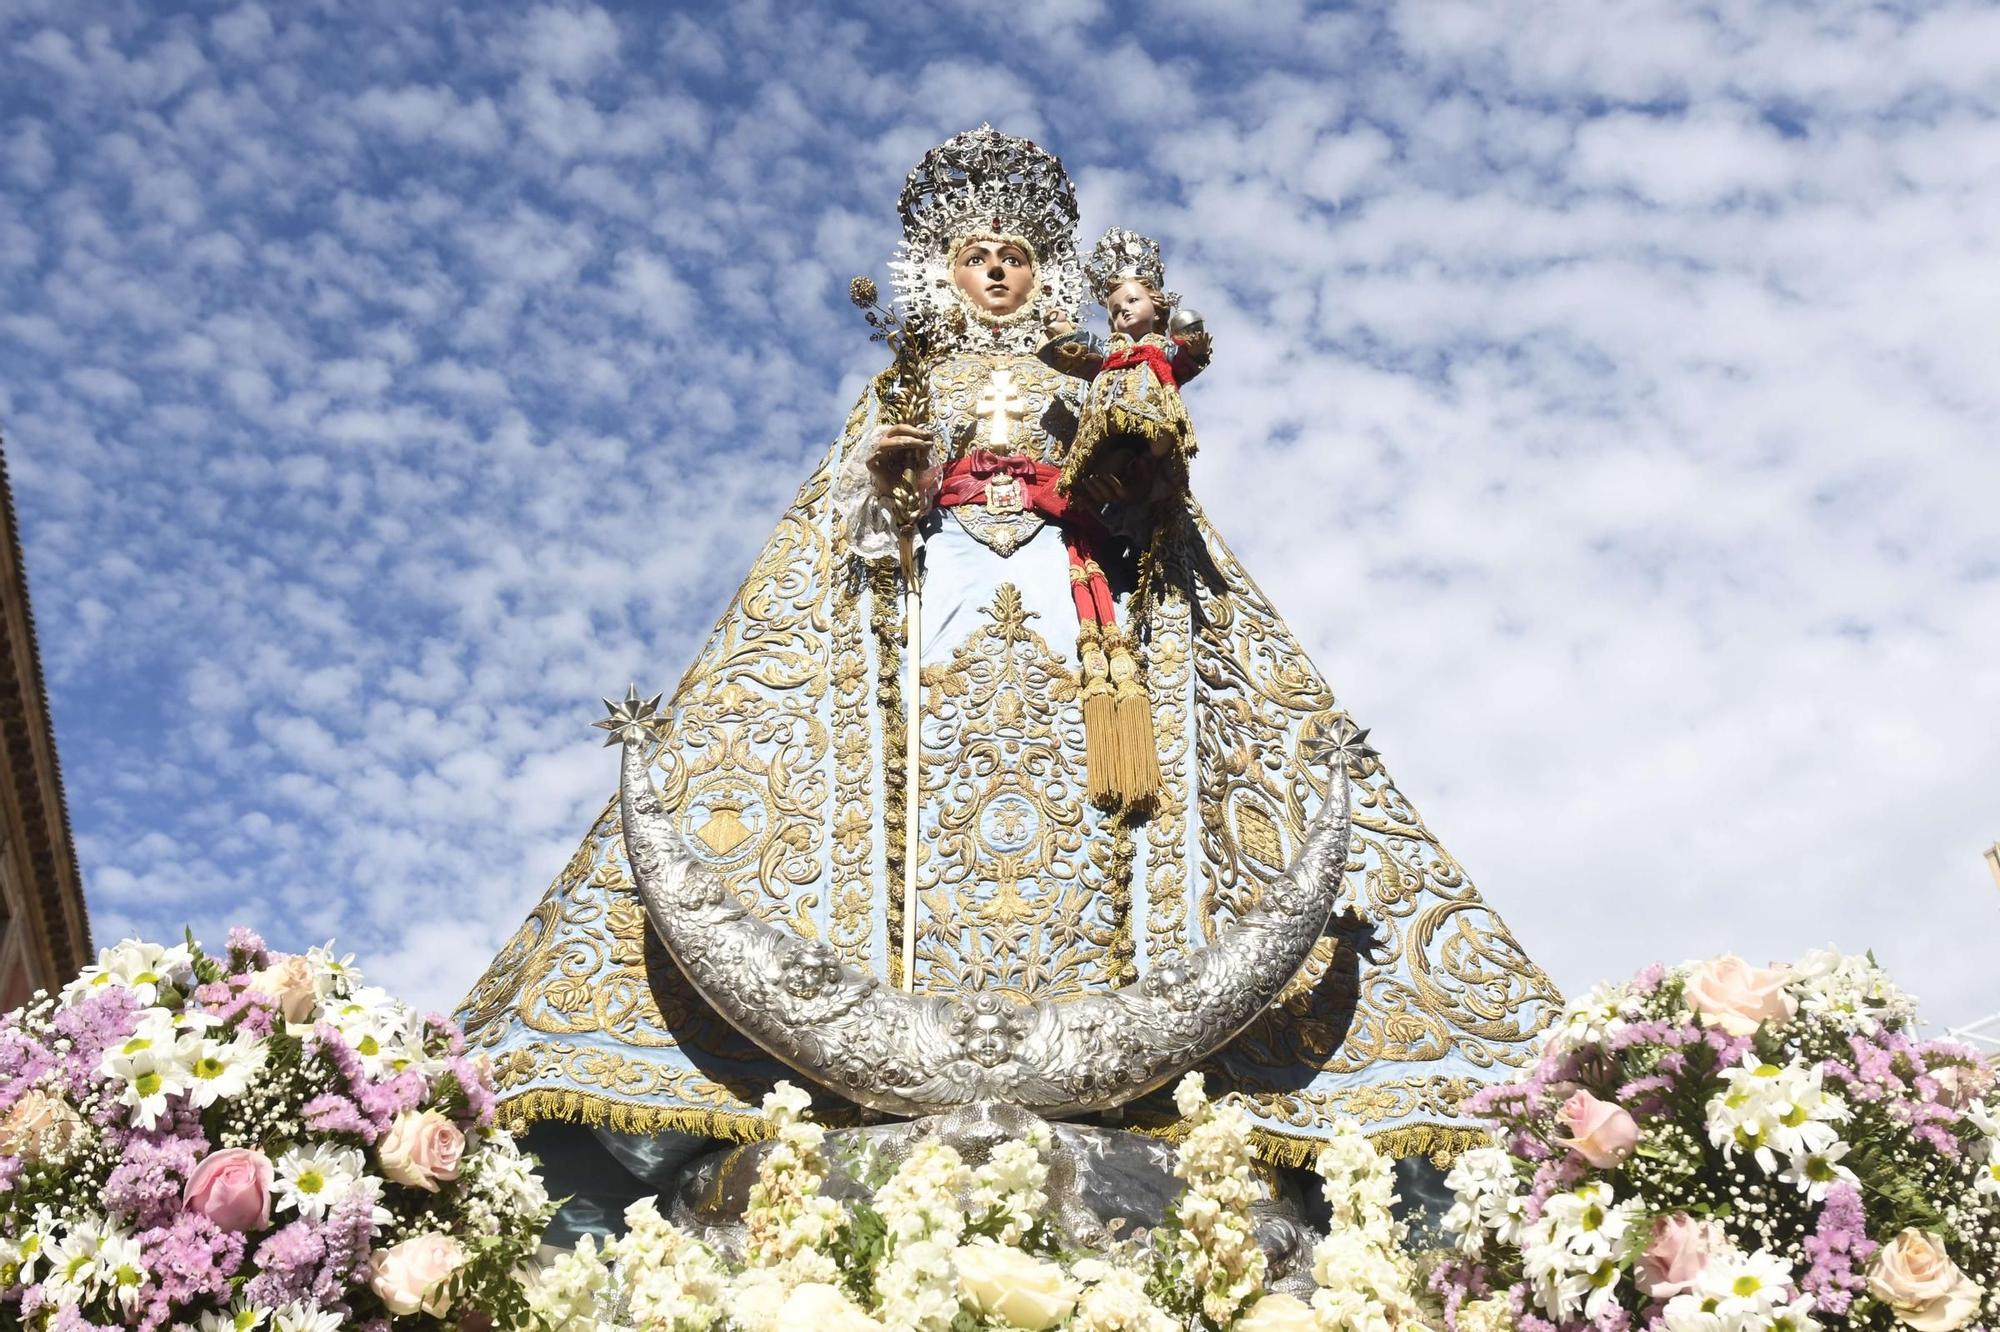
x=44, y=928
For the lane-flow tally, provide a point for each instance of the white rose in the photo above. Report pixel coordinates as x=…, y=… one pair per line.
x=290, y=984
x=756, y=1299
x=1917, y=1279
x=823, y=1308
x=1006, y=1283
x=1278, y=1313
x=38, y=1125
x=410, y=1276
x=421, y=1148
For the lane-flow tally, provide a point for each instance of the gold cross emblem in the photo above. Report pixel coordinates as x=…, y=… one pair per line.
x=998, y=407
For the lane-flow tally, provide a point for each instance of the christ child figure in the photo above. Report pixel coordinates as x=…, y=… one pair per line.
x=1133, y=422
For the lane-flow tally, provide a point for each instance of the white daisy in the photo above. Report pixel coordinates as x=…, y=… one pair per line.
x=306, y=1318
x=239, y=1318
x=124, y=1272
x=221, y=1070
x=333, y=977
x=149, y=1081
x=76, y=1259
x=143, y=968
x=1747, y=1287
x=312, y=1179
x=1813, y=1173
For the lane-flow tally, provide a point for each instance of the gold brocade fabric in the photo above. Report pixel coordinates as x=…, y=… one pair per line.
x=785, y=764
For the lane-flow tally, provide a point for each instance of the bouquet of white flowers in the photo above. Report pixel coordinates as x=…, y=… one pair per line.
x=948, y=1247
x=1728, y=1148
x=250, y=1141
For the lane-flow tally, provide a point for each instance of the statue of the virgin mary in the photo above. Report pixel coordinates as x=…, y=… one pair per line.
x=1111, y=746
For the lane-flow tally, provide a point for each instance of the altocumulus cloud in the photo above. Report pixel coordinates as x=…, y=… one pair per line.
x=1606, y=394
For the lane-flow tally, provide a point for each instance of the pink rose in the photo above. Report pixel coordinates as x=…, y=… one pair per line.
x=289, y=981
x=1959, y=1085
x=1731, y=994
x=1602, y=1133
x=410, y=1276
x=38, y=1125
x=421, y=1148
x=232, y=1188
x=1917, y=1279
x=1676, y=1256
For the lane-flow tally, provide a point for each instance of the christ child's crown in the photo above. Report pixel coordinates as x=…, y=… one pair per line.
x=1121, y=256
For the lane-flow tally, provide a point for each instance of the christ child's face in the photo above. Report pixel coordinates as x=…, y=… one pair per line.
x=995, y=275
x=1133, y=309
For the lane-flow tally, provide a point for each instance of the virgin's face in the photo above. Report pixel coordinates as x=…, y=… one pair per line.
x=1133, y=310
x=996, y=276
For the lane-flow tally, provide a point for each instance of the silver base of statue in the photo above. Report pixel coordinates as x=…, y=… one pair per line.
x=1105, y=1184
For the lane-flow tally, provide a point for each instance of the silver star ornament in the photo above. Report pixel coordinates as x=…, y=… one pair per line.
x=632, y=719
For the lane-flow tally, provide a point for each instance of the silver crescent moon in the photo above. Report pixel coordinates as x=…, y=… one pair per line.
x=914, y=1054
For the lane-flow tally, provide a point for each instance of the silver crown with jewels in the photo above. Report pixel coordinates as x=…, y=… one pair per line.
x=986, y=183
x=1121, y=255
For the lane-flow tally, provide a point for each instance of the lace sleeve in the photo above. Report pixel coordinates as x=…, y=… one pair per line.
x=863, y=514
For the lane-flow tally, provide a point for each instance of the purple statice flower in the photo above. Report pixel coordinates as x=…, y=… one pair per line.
x=1837, y=1248
x=23, y=1061
x=68, y=1319
x=1647, y=983
x=1551, y=1177
x=380, y=1100
x=334, y=1113
x=10, y=1171
x=454, y=1039
x=92, y=1026
x=1644, y=1096
x=1729, y=1050
x=1457, y=1281
x=320, y=1261
x=230, y=1003
x=191, y=1260
x=145, y=1187
x=478, y=1095
x=246, y=949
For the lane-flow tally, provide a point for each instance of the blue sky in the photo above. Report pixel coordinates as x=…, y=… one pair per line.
x=1607, y=393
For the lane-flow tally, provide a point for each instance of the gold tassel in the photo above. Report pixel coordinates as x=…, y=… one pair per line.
x=1099, y=718
x=1135, y=755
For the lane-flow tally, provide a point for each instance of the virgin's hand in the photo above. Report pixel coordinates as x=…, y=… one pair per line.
x=895, y=447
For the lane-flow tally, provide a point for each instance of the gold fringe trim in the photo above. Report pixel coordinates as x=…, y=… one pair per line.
x=547, y=1104
x=1442, y=1143
x=1103, y=421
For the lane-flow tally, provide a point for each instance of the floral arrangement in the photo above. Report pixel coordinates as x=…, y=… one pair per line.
x=1728, y=1148
x=948, y=1247
x=250, y=1141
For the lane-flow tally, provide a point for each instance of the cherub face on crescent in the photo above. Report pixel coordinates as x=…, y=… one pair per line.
x=996, y=275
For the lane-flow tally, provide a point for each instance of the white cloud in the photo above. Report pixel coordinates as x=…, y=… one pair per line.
x=571, y=43
x=1605, y=395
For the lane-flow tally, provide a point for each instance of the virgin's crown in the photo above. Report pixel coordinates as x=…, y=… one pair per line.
x=986, y=181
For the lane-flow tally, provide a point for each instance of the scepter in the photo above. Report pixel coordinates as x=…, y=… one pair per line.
x=904, y=393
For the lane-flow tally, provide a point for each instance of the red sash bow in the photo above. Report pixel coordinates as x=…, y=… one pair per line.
x=967, y=481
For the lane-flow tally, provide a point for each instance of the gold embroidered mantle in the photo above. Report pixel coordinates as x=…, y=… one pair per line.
x=785, y=763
